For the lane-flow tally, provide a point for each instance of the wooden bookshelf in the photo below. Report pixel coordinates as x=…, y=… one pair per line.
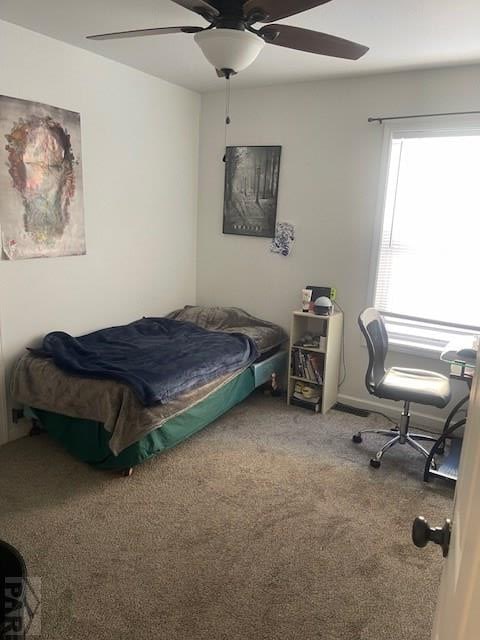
x=331, y=328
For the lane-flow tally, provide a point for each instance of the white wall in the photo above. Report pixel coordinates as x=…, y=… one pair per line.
x=140, y=160
x=328, y=188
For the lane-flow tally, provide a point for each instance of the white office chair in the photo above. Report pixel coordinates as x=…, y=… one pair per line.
x=407, y=385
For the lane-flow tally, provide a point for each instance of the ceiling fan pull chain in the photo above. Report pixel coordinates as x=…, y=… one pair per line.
x=227, y=105
x=227, y=112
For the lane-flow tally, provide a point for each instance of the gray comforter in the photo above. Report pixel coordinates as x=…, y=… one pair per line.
x=39, y=383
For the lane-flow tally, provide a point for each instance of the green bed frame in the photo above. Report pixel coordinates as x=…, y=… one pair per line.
x=87, y=440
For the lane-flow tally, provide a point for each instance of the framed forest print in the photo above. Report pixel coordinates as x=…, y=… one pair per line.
x=251, y=190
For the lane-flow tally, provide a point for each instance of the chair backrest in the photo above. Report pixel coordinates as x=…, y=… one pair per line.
x=373, y=328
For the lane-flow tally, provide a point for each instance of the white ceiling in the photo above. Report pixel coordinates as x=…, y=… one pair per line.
x=401, y=34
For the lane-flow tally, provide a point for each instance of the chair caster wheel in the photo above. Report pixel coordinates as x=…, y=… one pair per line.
x=357, y=438
x=375, y=463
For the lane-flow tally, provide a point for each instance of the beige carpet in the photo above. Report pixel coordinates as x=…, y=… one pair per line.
x=267, y=525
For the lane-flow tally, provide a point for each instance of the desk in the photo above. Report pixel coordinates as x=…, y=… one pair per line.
x=462, y=367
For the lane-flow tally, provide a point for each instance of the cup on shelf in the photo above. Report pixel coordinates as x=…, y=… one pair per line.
x=306, y=300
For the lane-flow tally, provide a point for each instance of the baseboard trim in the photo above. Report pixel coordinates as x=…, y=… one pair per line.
x=418, y=418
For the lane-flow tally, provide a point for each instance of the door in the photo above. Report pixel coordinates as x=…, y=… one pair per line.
x=458, y=608
x=3, y=400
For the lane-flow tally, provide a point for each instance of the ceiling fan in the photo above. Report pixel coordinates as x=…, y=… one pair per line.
x=231, y=44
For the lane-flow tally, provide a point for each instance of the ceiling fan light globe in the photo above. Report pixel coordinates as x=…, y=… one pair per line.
x=229, y=48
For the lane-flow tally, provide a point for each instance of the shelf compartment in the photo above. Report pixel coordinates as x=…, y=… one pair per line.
x=315, y=406
x=312, y=349
x=317, y=384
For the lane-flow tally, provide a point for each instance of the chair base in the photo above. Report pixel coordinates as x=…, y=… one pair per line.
x=399, y=435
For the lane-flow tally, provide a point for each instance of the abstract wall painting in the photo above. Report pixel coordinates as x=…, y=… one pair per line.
x=41, y=188
x=251, y=190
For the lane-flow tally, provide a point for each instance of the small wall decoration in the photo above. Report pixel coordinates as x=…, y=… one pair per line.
x=283, y=240
x=41, y=189
x=251, y=188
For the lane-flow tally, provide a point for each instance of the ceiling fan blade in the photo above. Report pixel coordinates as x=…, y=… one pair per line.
x=278, y=9
x=144, y=32
x=312, y=41
x=203, y=8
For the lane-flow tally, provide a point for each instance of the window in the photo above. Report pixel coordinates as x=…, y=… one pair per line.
x=427, y=278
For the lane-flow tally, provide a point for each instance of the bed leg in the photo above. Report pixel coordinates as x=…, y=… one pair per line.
x=36, y=428
x=126, y=473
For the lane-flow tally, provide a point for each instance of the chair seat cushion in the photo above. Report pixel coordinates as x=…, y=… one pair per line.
x=415, y=385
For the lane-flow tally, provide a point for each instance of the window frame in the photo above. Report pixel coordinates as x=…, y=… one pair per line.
x=420, y=127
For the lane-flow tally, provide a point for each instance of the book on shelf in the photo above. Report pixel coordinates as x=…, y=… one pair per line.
x=317, y=368
x=307, y=366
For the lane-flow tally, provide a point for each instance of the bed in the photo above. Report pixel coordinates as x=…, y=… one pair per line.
x=103, y=423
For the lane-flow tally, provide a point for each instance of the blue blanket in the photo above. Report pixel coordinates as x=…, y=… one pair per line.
x=159, y=358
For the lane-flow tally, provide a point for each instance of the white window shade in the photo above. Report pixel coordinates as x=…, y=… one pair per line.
x=427, y=273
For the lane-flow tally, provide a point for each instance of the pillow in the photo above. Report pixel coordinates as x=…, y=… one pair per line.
x=266, y=335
